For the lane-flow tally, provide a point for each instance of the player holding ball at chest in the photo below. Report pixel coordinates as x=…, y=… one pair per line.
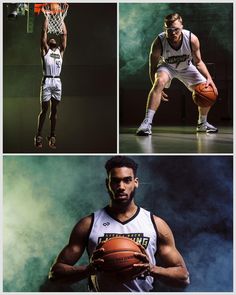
x=123, y=241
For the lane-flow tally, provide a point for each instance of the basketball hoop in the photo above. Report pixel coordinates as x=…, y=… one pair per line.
x=55, y=14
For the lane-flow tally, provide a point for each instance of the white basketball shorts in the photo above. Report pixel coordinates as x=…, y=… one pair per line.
x=189, y=76
x=50, y=88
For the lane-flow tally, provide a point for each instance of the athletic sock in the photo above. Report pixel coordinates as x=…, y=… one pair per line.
x=202, y=119
x=149, y=115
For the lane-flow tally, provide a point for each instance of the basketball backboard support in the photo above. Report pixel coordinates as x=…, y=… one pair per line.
x=15, y=10
x=30, y=18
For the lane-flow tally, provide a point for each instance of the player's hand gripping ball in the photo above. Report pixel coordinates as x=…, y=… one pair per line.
x=119, y=255
x=204, y=96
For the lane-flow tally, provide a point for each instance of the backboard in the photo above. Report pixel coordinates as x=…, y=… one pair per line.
x=54, y=12
x=15, y=10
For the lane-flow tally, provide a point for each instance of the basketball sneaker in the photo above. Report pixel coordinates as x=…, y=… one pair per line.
x=38, y=141
x=52, y=142
x=144, y=129
x=206, y=127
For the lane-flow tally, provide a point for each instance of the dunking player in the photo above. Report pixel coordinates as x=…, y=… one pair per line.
x=121, y=217
x=171, y=57
x=52, y=56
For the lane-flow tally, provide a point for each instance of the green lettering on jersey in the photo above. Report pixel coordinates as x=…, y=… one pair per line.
x=55, y=55
x=137, y=237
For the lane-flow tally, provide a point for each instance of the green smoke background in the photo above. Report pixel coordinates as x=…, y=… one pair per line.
x=45, y=196
x=140, y=23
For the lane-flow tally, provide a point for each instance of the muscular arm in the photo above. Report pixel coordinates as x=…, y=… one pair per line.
x=173, y=270
x=63, y=269
x=44, y=37
x=63, y=39
x=154, y=56
x=200, y=65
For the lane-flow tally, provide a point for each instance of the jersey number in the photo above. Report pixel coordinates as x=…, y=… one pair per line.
x=58, y=63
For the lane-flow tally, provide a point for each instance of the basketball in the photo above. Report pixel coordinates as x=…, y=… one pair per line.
x=55, y=7
x=119, y=257
x=204, y=96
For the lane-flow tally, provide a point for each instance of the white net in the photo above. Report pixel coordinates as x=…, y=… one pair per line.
x=55, y=17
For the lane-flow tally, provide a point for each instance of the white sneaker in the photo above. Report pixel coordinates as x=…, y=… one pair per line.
x=144, y=129
x=206, y=127
x=51, y=142
x=38, y=141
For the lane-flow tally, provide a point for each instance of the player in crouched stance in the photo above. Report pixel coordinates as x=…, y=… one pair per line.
x=50, y=95
x=171, y=57
x=122, y=217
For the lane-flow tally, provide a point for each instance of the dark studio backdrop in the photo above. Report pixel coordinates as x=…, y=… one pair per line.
x=45, y=196
x=140, y=23
x=87, y=120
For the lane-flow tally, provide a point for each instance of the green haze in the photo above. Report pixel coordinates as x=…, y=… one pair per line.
x=140, y=23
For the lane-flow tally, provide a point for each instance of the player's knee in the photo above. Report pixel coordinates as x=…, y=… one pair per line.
x=54, y=110
x=159, y=84
x=44, y=108
x=43, y=112
x=53, y=114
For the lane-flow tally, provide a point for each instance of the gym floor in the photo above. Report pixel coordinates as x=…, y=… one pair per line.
x=176, y=139
x=80, y=128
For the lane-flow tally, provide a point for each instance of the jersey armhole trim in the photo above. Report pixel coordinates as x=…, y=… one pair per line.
x=190, y=44
x=155, y=228
x=45, y=50
x=89, y=232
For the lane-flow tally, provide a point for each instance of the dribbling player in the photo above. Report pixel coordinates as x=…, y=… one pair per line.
x=50, y=95
x=171, y=57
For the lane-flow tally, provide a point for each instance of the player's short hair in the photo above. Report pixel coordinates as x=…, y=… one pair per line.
x=121, y=161
x=170, y=18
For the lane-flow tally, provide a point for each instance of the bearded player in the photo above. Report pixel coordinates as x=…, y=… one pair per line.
x=122, y=217
x=50, y=95
x=171, y=56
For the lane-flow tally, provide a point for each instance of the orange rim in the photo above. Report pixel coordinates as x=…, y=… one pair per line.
x=38, y=8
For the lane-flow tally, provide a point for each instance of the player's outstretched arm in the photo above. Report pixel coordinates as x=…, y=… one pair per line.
x=63, y=269
x=173, y=270
x=63, y=38
x=44, y=38
x=199, y=62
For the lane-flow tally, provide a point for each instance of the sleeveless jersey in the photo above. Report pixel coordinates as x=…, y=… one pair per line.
x=52, y=63
x=177, y=59
x=140, y=228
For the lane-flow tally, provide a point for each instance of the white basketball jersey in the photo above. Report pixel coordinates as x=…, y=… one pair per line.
x=140, y=228
x=52, y=63
x=180, y=58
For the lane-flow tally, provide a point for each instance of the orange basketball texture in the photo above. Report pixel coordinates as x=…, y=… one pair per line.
x=55, y=7
x=204, y=96
x=119, y=257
